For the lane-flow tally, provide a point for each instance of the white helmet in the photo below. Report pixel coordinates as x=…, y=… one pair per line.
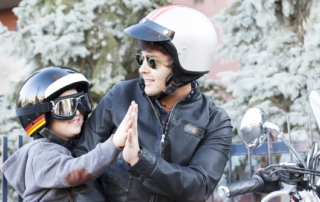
x=188, y=35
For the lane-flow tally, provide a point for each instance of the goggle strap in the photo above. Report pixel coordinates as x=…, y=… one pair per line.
x=37, y=108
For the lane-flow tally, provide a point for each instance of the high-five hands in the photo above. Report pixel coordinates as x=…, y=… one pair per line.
x=120, y=137
x=127, y=135
x=131, y=149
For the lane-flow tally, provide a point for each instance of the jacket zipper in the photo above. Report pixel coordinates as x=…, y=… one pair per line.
x=165, y=132
x=163, y=136
x=151, y=198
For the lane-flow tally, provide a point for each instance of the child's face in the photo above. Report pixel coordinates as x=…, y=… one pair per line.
x=67, y=128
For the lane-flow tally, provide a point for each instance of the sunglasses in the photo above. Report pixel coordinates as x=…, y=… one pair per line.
x=65, y=108
x=150, y=61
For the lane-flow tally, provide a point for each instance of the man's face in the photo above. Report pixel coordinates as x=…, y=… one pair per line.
x=154, y=79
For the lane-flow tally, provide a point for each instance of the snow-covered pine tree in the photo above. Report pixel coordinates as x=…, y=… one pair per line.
x=277, y=46
x=86, y=35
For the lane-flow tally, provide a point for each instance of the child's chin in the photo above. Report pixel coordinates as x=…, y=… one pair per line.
x=76, y=132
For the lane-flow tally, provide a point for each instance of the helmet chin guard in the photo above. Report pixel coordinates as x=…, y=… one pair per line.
x=187, y=34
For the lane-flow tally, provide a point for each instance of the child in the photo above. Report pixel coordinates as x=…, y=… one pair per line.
x=52, y=105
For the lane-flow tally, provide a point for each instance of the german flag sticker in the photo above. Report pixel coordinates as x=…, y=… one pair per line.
x=35, y=125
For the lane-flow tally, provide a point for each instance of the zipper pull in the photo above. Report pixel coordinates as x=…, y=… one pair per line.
x=162, y=138
x=162, y=145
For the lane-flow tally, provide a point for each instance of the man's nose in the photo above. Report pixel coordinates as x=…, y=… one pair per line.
x=144, y=68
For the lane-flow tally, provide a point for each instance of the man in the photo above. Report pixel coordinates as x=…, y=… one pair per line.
x=184, y=139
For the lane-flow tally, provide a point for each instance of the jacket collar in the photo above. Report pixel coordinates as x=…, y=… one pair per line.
x=53, y=137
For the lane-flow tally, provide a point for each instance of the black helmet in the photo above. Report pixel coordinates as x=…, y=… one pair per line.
x=34, y=102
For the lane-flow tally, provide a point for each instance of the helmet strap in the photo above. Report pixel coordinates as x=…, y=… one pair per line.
x=171, y=88
x=174, y=81
x=37, y=136
x=178, y=77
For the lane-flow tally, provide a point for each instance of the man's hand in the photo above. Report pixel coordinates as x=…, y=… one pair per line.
x=131, y=149
x=120, y=137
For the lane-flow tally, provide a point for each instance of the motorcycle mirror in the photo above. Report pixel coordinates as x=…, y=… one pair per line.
x=314, y=100
x=312, y=155
x=251, y=128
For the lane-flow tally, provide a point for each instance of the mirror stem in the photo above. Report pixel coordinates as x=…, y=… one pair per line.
x=275, y=130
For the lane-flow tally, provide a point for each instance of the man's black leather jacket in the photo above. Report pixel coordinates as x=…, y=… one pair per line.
x=189, y=164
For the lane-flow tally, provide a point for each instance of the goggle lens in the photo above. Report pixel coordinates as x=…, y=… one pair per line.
x=65, y=107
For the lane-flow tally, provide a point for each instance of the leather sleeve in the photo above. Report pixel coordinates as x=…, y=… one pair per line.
x=196, y=181
x=88, y=192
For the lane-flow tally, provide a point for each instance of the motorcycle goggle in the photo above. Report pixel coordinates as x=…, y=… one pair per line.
x=150, y=61
x=65, y=108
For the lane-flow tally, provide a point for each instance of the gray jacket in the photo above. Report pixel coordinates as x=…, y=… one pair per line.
x=187, y=166
x=43, y=170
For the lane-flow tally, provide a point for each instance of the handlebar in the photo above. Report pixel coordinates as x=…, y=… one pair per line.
x=255, y=184
x=277, y=180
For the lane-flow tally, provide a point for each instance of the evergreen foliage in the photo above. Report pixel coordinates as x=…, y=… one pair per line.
x=85, y=35
x=277, y=69
x=277, y=46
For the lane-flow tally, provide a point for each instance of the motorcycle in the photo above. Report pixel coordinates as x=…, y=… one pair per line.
x=296, y=179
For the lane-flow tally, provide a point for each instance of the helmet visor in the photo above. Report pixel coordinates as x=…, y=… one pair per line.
x=148, y=30
x=64, y=108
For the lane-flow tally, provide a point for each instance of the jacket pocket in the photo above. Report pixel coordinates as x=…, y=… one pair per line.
x=182, y=141
x=193, y=130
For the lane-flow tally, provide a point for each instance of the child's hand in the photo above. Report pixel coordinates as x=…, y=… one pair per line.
x=120, y=137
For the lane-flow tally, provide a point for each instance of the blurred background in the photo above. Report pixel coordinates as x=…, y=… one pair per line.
x=268, y=56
